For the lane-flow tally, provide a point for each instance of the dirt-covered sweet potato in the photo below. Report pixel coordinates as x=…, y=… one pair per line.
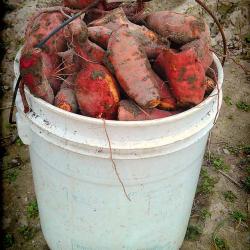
x=177, y=27
x=132, y=68
x=210, y=85
x=202, y=48
x=77, y=4
x=96, y=92
x=41, y=26
x=71, y=62
x=65, y=98
x=185, y=74
x=147, y=38
x=32, y=69
x=90, y=52
x=99, y=35
x=76, y=32
x=129, y=111
x=51, y=70
x=77, y=37
x=167, y=101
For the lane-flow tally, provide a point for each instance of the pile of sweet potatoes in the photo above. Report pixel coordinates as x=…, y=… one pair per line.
x=108, y=65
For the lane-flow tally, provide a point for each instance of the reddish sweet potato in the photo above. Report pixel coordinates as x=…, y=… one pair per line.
x=51, y=65
x=202, y=48
x=99, y=35
x=76, y=32
x=90, y=52
x=71, y=62
x=129, y=111
x=168, y=102
x=148, y=39
x=42, y=25
x=126, y=57
x=85, y=49
x=185, y=74
x=77, y=4
x=32, y=72
x=65, y=98
x=113, y=20
x=178, y=28
x=96, y=92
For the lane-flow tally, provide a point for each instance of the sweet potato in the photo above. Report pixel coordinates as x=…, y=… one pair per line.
x=148, y=39
x=76, y=32
x=51, y=65
x=202, y=48
x=167, y=101
x=99, y=35
x=129, y=111
x=32, y=72
x=178, y=28
x=90, y=52
x=41, y=26
x=113, y=20
x=126, y=56
x=185, y=74
x=65, y=98
x=77, y=36
x=210, y=85
x=77, y=4
x=96, y=92
x=71, y=62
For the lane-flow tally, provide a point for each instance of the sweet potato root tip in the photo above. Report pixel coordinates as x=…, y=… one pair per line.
x=96, y=92
x=126, y=55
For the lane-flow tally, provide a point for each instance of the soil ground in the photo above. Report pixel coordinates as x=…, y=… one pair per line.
x=221, y=211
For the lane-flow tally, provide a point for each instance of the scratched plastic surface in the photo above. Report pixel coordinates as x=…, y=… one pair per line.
x=82, y=204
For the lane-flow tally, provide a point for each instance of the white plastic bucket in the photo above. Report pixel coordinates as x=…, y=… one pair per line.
x=82, y=204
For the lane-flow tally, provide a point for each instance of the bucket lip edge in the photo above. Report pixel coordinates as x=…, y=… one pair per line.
x=115, y=123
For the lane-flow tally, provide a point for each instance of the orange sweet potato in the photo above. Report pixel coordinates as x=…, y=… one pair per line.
x=96, y=92
x=185, y=74
x=126, y=56
x=129, y=111
x=178, y=28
